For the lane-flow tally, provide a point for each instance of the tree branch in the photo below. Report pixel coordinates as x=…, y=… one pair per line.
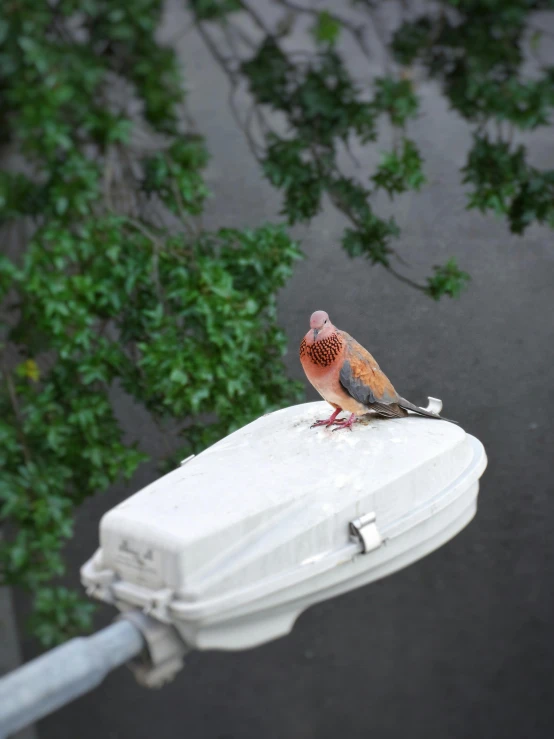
x=234, y=83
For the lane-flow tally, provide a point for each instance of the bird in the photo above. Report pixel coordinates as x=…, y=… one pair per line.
x=346, y=375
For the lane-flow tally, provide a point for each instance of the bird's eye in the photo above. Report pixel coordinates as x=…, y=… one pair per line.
x=325, y=321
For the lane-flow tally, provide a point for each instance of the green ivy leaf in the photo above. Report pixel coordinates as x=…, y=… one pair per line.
x=396, y=98
x=326, y=29
x=400, y=171
x=60, y=614
x=447, y=279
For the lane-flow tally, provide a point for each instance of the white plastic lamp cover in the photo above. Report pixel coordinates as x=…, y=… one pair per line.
x=233, y=545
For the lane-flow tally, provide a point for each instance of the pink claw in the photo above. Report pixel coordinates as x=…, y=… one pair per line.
x=328, y=421
x=347, y=423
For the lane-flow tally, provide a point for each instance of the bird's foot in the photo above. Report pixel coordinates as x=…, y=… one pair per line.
x=328, y=421
x=346, y=423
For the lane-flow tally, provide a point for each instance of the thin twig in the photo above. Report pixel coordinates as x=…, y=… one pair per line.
x=181, y=207
x=381, y=34
x=180, y=34
x=405, y=280
x=347, y=211
x=154, y=240
x=353, y=158
x=17, y=413
x=257, y=18
x=356, y=30
x=230, y=39
x=108, y=177
x=243, y=36
x=233, y=89
x=541, y=30
x=289, y=5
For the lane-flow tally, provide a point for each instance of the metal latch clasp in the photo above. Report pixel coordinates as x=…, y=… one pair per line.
x=365, y=530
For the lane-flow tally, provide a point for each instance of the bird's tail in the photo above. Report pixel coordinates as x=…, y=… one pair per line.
x=403, y=403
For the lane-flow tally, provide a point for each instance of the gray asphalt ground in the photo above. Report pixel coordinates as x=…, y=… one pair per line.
x=459, y=644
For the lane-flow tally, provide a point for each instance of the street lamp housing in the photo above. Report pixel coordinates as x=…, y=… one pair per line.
x=231, y=547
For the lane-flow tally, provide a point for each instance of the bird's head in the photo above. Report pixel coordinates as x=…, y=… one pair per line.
x=320, y=325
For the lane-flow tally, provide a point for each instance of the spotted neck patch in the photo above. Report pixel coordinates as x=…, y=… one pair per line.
x=323, y=352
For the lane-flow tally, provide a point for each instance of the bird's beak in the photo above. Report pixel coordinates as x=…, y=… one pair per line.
x=316, y=331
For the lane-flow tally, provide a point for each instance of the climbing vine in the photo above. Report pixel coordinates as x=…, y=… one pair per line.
x=111, y=279
x=308, y=111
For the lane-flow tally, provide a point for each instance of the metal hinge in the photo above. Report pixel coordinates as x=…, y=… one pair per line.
x=365, y=530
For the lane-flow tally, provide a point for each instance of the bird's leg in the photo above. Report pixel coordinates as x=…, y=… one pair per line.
x=346, y=423
x=328, y=421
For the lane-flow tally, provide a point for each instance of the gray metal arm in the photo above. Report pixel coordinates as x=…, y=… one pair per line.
x=56, y=678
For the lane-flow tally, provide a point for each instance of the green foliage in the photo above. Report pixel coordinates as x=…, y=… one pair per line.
x=396, y=98
x=174, y=175
x=371, y=239
x=288, y=165
x=410, y=39
x=400, y=171
x=504, y=182
x=324, y=110
x=183, y=320
x=326, y=29
x=59, y=614
x=477, y=50
x=320, y=100
x=447, y=279
x=478, y=55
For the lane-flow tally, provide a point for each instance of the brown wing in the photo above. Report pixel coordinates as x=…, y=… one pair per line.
x=362, y=378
